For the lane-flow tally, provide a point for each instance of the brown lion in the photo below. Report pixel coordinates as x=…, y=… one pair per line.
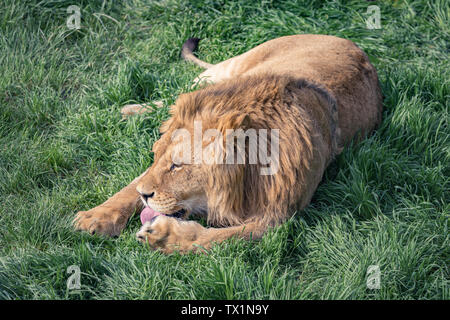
x=320, y=92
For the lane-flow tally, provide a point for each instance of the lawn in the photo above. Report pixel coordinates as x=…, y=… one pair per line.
x=65, y=148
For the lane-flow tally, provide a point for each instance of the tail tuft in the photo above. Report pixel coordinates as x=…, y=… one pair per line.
x=187, y=53
x=189, y=46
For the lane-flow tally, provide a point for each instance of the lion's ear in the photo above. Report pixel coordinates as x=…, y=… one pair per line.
x=245, y=121
x=234, y=121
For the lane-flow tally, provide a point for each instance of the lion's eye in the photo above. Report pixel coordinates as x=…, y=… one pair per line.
x=173, y=166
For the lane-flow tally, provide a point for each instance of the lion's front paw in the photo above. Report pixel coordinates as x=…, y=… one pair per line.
x=101, y=220
x=169, y=234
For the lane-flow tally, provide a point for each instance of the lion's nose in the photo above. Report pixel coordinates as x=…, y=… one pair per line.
x=146, y=196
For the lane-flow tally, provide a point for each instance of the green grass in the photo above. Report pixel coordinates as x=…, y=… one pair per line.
x=64, y=148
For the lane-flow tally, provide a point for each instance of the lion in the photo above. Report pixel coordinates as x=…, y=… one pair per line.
x=320, y=92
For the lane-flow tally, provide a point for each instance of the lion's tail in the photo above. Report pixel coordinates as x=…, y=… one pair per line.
x=187, y=53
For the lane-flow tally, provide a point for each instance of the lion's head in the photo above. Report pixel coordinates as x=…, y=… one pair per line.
x=172, y=187
x=235, y=191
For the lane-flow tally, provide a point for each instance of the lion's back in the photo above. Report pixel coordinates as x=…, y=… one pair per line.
x=336, y=63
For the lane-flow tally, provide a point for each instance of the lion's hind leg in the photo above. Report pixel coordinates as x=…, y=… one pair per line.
x=133, y=109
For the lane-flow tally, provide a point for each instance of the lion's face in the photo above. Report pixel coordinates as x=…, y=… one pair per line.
x=172, y=187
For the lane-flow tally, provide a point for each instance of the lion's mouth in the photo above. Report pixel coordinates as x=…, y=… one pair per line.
x=148, y=214
x=179, y=214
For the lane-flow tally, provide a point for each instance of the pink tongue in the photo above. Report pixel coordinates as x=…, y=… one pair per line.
x=148, y=214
